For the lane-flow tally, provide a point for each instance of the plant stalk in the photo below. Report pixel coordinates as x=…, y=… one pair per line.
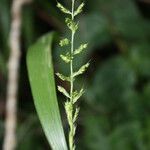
x=71, y=132
x=10, y=137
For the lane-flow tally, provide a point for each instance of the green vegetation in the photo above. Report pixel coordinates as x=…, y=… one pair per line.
x=43, y=89
x=71, y=109
x=115, y=107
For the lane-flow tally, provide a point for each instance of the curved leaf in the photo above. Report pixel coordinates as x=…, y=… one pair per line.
x=41, y=76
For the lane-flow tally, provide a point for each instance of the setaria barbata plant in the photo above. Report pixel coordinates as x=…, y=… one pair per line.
x=71, y=108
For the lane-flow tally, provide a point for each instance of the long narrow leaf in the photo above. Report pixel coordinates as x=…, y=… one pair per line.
x=41, y=76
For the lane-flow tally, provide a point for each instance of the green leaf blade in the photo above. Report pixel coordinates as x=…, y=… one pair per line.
x=41, y=76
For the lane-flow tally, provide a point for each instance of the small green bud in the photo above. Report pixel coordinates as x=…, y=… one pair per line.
x=66, y=58
x=63, y=9
x=81, y=70
x=80, y=49
x=76, y=114
x=62, y=77
x=79, y=9
x=71, y=24
x=64, y=42
x=77, y=95
x=63, y=91
x=69, y=110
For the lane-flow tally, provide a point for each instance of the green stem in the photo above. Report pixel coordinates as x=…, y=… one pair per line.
x=71, y=132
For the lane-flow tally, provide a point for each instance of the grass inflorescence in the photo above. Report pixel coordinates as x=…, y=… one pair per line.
x=72, y=110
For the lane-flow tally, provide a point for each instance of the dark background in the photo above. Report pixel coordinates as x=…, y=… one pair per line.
x=115, y=110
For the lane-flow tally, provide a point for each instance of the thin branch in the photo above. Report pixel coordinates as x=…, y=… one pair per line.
x=13, y=74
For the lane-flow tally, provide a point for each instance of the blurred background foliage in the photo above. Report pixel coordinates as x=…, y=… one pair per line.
x=115, y=110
